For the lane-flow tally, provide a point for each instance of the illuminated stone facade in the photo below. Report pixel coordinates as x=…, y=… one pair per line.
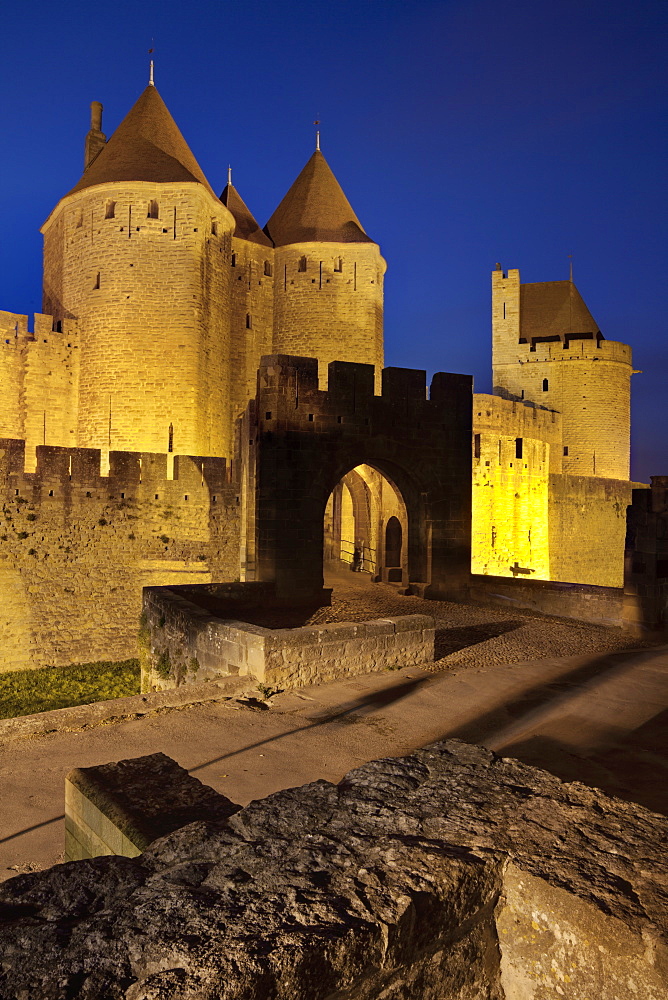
x=161, y=299
x=552, y=445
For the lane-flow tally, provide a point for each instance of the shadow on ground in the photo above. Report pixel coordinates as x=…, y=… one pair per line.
x=631, y=765
x=450, y=640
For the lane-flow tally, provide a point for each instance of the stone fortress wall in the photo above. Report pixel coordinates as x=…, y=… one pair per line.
x=532, y=519
x=344, y=320
x=583, y=376
x=154, y=350
x=160, y=301
x=76, y=548
x=39, y=378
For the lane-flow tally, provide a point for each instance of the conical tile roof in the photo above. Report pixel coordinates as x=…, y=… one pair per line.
x=553, y=308
x=247, y=228
x=315, y=210
x=146, y=146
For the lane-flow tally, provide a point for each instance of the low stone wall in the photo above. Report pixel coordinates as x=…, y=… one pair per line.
x=121, y=808
x=184, y=642
x=450, y=874
x=600, y=605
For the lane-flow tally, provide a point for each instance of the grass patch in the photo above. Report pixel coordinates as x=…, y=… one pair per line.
x=24, y=692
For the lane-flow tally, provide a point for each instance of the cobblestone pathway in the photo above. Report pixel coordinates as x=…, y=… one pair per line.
x=471, y=634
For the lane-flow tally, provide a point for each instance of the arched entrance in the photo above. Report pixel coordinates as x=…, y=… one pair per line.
x=365, y=525
x=393, y=539
x=297, y=443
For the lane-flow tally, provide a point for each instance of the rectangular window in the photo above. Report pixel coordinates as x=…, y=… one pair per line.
x=476, y=445
x=566, y=450
x=518, y=447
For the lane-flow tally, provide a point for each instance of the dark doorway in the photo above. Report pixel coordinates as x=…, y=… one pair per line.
x=393, y=534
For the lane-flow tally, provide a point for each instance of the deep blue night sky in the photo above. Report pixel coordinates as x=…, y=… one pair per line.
x=463, y=133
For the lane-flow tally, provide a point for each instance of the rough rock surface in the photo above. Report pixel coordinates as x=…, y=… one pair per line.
x=388, y=885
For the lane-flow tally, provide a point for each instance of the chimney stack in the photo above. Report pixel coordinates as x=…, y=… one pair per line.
x=96, y=138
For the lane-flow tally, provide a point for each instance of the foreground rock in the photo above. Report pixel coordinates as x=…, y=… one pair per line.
x=450, y=873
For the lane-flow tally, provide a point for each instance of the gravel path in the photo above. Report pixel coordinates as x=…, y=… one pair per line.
x=472, y=634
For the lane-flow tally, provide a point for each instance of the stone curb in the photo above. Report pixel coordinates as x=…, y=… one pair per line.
x=117, y=709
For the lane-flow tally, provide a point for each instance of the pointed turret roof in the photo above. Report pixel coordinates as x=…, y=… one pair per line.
x=146, y=146
x=553, y=308
x=315, y=210
x=247, y=228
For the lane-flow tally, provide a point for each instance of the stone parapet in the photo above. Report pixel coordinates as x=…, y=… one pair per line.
x=450, y=873
x=122, y=807
x=183, y=642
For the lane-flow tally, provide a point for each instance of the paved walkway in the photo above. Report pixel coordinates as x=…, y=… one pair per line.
x=597, y=715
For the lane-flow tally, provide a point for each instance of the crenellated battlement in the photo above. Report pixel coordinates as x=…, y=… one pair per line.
x=517, y=418
x=575, y=348
x=63, y=470
x=15, y=330
x=289, y=398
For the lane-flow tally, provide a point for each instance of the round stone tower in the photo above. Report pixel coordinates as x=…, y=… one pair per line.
x=139, y=253
x=328, y=275
x=548, y=350
x=252, y=299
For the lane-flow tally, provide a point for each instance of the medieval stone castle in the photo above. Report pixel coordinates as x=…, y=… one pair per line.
x=119, y=463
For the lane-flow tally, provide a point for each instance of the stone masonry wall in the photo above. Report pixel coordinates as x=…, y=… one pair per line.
x=646, y=558
x=587, y=524
x=332, y=310
x=602, y=605
x=76, y=548
x=39, y=381
x=252, y=302
x=450, y=874
x=145, y=269
x=514, y=448
x=588, y=382
x=184, y=641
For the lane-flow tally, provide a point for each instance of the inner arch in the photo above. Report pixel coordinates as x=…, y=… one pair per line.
x=358, y=512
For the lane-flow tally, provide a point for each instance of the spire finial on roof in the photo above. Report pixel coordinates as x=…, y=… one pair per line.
x=229, y=175
x=317, y=135
x=151, y=82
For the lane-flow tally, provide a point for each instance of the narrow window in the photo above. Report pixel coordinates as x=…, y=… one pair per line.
x=267, y=415
x=504, y=310
x=234, y=260
x=338, y=264
x=170, y=441
x=476, y=445
x=80, y=220
x=518, y=447
x=546, y=385
x=97, y=280
x=249, y=321
x=566, y=451
x=214, y=227
x=110, y=210
x=302, y=264
x=152, y=209
x=268, y=269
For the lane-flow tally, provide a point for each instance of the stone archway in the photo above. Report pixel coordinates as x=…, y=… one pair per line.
x=358, y=510
x=297, y=442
